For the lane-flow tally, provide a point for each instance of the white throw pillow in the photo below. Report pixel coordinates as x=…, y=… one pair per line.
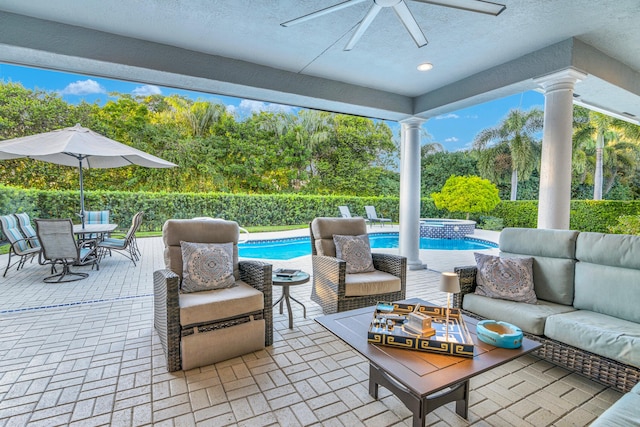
x=356, y=251
x=207, y=266
x=505, y=278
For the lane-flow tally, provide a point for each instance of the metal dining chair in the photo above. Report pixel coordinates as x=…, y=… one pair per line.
x=128, y=246
x=59, y=247
x=24, y=247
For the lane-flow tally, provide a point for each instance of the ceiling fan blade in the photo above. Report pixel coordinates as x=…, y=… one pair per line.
x=321, y=12
x=410, y=23
x=480, y=6
x=364, y=24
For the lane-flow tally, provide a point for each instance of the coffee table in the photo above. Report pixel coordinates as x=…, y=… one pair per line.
x=422, y=381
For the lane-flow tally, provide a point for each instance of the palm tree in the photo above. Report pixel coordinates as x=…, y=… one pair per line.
x=431, y=148
x=611, y=138
x=517, y=130
x=196, y=117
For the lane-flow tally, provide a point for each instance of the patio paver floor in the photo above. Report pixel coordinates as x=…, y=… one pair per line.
x=85, y=353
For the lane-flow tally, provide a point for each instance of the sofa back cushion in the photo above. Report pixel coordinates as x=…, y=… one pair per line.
x=608, y=274
x=197, y=231
x=553, y=253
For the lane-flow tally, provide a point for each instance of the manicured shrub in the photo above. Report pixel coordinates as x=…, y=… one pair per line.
x=627, y=224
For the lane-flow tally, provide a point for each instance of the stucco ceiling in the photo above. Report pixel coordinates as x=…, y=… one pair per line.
x=239, y=48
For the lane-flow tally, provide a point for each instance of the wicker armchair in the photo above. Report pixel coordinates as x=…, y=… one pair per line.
x=333, y=288
x=205, y=327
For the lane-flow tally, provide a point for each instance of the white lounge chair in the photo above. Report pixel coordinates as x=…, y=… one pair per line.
x=346, y=213
x=372, y=216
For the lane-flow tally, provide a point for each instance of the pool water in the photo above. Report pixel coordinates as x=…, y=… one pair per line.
x=301, y=246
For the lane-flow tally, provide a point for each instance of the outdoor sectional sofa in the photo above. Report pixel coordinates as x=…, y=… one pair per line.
x=588, y=311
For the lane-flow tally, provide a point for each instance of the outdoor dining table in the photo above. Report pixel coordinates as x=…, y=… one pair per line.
x=99, y=229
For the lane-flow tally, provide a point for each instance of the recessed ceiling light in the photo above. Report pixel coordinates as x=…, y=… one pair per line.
x=425, y=66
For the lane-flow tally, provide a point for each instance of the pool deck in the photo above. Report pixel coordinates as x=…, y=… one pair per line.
x=85, y=353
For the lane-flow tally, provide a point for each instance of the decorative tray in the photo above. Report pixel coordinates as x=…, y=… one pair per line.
x=388, y=328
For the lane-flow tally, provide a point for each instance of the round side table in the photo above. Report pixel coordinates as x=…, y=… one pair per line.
x=286, y=282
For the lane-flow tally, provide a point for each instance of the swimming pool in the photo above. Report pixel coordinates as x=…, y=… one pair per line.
x=301, y=246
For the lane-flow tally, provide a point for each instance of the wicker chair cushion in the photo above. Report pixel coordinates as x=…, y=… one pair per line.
x=208, y=306
x=505, y=278
x=206, y=266
x=355, y=251
x=615, y=338
x=528, y=317
x=203, y=231
x=324, y=229
x=373, y=283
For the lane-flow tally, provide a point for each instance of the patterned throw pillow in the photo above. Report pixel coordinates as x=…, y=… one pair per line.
x=356, y=251
x=505, y=278
x=207, y=266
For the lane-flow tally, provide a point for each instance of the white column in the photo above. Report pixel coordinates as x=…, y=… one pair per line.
x=555, y=170
x=409, y=242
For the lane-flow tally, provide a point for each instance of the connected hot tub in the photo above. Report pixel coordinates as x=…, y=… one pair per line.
x=437, y=228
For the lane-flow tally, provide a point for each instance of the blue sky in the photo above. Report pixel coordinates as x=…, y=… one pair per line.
x=455, y=131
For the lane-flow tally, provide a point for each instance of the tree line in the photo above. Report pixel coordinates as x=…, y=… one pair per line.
x=605, y=159
x=306, y=152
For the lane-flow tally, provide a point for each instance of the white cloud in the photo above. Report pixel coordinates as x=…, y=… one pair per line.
x=448, y=116
x=452, y=139
x=83, y=87
x=248, y=106
x=146, y=90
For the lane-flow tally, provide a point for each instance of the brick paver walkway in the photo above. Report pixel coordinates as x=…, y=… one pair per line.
x=85, y=353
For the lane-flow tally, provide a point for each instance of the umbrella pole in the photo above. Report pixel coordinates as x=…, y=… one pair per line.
x=81, y=192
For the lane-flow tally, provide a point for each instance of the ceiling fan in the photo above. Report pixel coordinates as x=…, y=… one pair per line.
x=403, y=13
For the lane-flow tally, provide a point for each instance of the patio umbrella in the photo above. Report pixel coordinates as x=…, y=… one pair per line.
x=78, y=146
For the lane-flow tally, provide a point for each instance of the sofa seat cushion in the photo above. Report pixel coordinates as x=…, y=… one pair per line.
x=598, y=333
x=206, y=306
x=372, y=283
x=528, y=317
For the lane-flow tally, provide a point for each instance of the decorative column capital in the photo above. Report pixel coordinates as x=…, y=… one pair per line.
x=561, y=80
x=412, y=122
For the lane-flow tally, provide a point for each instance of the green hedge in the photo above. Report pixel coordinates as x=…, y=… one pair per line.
x=277, y=209
x=586, y=215
x=247, y=210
